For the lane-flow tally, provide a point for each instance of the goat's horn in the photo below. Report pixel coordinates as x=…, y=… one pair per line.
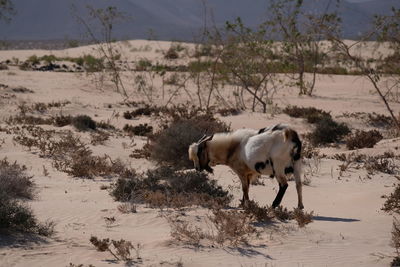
x=205, y=138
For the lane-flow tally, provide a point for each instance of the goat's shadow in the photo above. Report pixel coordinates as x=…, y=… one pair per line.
x=16, y=240
x=249, y=251
x=334, y=219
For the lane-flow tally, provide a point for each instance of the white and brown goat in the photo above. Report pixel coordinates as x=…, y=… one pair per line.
x=273, y=151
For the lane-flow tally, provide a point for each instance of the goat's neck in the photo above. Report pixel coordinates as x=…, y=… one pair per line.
x=218, y=152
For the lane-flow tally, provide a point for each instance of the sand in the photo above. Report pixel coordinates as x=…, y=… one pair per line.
x=349, y=227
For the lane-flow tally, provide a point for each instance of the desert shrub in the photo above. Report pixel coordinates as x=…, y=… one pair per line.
x=145, y=110
x=83, y=123
x=140, y=130
x=231, y=226
x=303, y=218
x=61, y=120
x=105, y=125
x=311, y=114
x=379, y=120
x=362, y=139
x=121, y=250
x=185, y=232
x=392, y=203
x=70, y=154
x=395, y=262
x=14, y=181
x=381, y=163
x=261, y=214
x=228, y=112
x=224, y=227
x=328, y=131
x=28, y=119
x=99, y=138
x=171, y=53
x=127, y=115
x=170, y=145
x=15, y=215
x=396, y=235
x=92, y=64
x=166, y=187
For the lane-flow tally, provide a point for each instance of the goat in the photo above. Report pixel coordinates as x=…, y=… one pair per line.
x=274, y=151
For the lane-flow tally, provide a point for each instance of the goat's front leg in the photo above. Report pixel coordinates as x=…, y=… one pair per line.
x=245, y=187
x=283, y=185
x=297, y=177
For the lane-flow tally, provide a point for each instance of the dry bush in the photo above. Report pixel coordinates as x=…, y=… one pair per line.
x=139, y=130
x=166, y=187
x=141, y=153
x=232, y=226
x=228, y=111
x=83, y=123
x=15, y=215
x=362, y=139
x=328, y=131
x=120, y=250
x=261, y=214
x=224, y=227
x=28, y=119
x=69, y=153
x=184, y=232
x=309, y=151
x=99, y=138
x=303, y=218
x=170, y=145
x=311, y=114
x=381, y=163
x=396, y=235
x=61, y=120
x=14, y=181
x=392, y=203
x=379, y=120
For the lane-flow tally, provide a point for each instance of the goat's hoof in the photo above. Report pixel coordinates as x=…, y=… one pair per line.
x=300, y=206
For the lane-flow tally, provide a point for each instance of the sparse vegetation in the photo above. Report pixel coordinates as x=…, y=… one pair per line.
x=311, y=114
x=140, y=130
x=166, y=187
x=362, y=139
x=83, y=123
x=328, y=131
x=392, y=203
x=120, y=250
x=15, y=187
x=169, y=146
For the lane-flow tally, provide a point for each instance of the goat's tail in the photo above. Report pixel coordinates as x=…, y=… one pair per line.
x=291, y=135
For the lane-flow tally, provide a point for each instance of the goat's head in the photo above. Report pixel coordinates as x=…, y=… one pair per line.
x=199, y=155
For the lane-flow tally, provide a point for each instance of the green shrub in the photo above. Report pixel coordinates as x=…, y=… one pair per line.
x=311, y=114
x=392, y=203
x=166, y=187
x=83, y=123
x=328, y=131
x=14, y=181
x=140, y=130
x=15, y=185
x=361, y=139
x=170, y=145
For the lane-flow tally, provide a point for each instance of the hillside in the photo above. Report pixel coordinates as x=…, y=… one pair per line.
x=166, y=19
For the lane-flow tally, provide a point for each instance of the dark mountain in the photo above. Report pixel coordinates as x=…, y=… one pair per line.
x=167, y=19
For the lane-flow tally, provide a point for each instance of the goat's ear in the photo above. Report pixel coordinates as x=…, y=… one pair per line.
x=287, y=134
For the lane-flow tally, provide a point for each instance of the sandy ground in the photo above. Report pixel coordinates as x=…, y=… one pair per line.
x=349, y=227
